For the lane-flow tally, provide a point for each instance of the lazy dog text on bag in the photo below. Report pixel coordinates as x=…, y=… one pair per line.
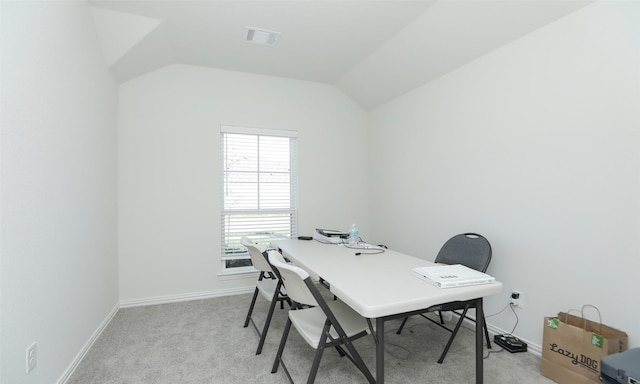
x=581, y=359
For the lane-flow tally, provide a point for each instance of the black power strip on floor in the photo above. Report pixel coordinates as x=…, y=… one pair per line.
x=510, y=343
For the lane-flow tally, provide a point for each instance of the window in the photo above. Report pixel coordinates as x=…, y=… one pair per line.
x=259, y=191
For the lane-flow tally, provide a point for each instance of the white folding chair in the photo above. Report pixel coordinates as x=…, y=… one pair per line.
x=268, y=284
x=321, y=324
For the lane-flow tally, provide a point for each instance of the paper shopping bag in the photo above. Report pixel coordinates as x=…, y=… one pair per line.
x=572, y=347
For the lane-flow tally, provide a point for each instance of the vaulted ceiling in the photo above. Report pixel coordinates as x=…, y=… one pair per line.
x=372, y=50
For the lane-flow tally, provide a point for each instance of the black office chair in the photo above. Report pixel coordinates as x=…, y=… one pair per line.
x=473, y=251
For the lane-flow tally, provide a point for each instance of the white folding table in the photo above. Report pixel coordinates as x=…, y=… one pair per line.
x=382, y=287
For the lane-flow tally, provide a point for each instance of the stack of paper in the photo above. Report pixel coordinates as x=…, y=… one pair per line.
x=449, y=276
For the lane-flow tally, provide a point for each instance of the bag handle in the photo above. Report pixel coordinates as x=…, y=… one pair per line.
x=566, y=318
x=584, y=319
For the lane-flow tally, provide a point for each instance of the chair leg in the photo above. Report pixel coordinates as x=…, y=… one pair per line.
x=316, y=364
x=265, y=329
x=319, y=351
x=283, y=341
x=253, y=303
x=402, y=325
x=453, y=335
x=357, y=360
x=486, y=332
x=340, y=351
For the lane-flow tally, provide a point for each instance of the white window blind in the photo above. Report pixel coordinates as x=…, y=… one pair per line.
x=259, y=190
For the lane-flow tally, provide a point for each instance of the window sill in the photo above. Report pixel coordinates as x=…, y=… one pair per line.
x=243, y=273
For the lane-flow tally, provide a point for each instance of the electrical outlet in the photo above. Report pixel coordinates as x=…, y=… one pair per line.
x=32, y=357
x=517, y=298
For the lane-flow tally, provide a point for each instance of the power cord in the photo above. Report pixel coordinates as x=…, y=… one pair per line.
x=510, y=306
x=366, y=249
x=407, y=353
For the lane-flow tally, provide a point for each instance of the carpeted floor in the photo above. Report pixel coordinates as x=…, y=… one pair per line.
x=204, y=342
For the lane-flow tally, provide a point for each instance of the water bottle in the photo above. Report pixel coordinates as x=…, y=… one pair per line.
x=354, y=236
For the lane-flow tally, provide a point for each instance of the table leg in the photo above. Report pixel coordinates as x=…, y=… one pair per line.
x=479, y=341
x=380, y=351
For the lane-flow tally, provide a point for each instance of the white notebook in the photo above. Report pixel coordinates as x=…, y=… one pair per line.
x=449, y=276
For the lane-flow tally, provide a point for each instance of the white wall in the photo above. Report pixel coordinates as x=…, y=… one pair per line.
x=169, y=170
x=537, y=146
x=58, y=249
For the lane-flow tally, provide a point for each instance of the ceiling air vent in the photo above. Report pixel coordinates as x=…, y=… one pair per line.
x=262, y=36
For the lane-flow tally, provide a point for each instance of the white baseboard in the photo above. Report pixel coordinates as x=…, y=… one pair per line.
x=142, y=302
x=493, y=330
x=76, y=361
x=531, y=347
x=185, y=297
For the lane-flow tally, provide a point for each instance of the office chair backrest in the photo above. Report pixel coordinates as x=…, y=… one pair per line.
x=294, y=280
x=468, y=249
x=257, y=258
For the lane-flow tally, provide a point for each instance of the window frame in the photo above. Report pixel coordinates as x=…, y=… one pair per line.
x=292, y=211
